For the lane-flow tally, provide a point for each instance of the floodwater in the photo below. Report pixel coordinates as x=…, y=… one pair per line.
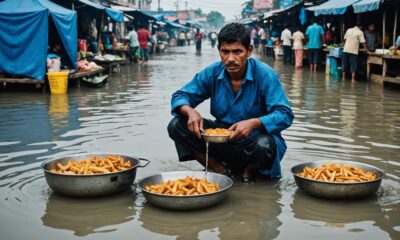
x=335, y=120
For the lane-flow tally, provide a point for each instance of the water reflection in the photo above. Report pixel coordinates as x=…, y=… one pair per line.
x=87, y=216
x=249, y=212
x=341, y=214
x=58, y=112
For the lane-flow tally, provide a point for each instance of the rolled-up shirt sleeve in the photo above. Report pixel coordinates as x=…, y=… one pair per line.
x=280, y=115
x=193, y=93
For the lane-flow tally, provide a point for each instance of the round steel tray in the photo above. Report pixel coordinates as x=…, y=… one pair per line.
x=185, y=202
x=332, y=190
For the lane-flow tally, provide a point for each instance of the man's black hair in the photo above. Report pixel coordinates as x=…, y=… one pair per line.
x=234, y=32
x=316, y=20
x=129, y=28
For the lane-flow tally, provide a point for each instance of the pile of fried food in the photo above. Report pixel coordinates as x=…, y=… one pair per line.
x=217, y=132
x=184, y=187
x=332, y=172
x=93, y=165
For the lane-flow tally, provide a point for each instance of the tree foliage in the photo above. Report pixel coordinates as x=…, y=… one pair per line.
x=198, y=12
x=215, y=19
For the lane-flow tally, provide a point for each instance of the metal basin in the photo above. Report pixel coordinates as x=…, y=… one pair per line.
x=331, y=190
x=90, y=185
x=185, y=202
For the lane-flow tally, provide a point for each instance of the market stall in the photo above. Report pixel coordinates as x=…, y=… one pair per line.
x=26, y=23
x=378, y=66
x=387, y=59
x=92, y=18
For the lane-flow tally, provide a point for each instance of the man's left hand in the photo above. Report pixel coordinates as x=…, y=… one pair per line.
x=243, y=128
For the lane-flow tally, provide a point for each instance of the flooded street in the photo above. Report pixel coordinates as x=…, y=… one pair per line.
x=335, y=120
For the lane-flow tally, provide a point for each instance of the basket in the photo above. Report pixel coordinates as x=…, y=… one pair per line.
x=58, y=82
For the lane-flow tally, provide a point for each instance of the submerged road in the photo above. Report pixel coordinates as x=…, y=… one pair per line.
x=335, y=120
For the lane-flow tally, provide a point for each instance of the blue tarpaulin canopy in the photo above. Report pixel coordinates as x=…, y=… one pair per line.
x=87, y=6
x=332, y=7
x=24, y=26
x=366, y=6
x=175, y=25
x=141, y=16
x=116, y=15
x=159, y=17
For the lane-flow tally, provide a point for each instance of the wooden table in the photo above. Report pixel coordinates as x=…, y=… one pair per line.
x=38, y=82
x=381, y=60
x=124, y=53
x=109, y=64
x=77, y=75
x=85, y=74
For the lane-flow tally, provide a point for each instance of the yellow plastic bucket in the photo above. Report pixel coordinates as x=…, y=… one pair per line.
x=58, y=82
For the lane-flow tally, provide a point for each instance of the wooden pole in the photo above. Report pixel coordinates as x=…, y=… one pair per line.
x=383, y=28
x=342, y=27
x=99, y=33
x=395, y=25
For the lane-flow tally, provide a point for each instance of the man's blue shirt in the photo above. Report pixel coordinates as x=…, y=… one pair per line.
x=314, y=34
x=261, y=95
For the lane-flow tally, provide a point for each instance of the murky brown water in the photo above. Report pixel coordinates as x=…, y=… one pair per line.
x=334, y=120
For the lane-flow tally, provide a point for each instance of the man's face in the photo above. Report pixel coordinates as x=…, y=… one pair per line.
x=234, y=56
x=371, y=27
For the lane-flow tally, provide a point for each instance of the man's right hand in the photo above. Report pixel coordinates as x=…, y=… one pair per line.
x=195, y=121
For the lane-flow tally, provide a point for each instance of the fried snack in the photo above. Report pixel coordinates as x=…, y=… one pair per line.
x=93, y=165
x=331, y=172
x=217, y=132
x=184, y=187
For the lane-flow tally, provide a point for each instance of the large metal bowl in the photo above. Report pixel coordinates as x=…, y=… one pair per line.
x=331, y=190
x=90, y=185
x=185, y=202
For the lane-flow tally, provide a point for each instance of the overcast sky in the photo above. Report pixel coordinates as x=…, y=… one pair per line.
x=229, y=8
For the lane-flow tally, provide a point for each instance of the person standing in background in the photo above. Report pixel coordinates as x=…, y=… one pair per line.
x=329, y=36
x=286, y=38
x=372, y=38
x=263, y=39
x=188, y=37
x=134, y=48
x=397, y=44
x=298, y=39
x=353, y=38
x=315, y=35
x=213, y=38
x=182, y=38
x=198, y=36
x=144, y=37
x=254, y=37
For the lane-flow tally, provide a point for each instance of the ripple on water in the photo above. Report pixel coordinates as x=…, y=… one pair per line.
x=25, y=193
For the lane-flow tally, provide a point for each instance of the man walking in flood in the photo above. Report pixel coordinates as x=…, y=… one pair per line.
x=144, y=37
x=198, y=36
x=246, y=97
